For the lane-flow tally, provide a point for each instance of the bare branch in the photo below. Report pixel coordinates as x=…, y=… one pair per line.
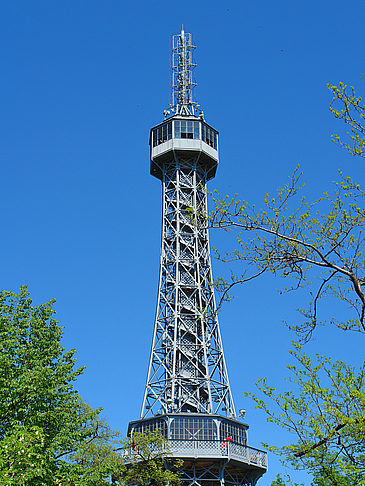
x=236, y=282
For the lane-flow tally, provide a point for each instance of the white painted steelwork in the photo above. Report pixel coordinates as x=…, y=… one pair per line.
x=182, y=75
x=187, y=370
x=212, y=449
x=187, y=395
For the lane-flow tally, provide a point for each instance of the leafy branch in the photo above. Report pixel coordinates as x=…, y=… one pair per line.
x=300, y=241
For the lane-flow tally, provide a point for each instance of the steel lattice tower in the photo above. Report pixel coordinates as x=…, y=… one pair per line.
x=187, y=392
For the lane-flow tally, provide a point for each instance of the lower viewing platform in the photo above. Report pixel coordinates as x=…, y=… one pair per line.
x=201, y=439
x=218, y=450
x=213, y=450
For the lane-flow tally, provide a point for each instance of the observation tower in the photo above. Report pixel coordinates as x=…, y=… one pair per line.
x=187, y=394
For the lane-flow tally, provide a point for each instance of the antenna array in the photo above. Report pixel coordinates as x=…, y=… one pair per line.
x=182, y=75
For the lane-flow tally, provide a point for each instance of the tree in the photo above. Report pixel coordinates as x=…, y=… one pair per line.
x=147, y=461
x=301, y=241
x=48, y=435
x=325, y=410
x=347, y=106
x=280, y=481
x=318, y=245
x=322, y=478
x=44, y=425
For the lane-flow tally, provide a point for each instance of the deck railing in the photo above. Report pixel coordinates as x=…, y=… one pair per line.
x=214, y=449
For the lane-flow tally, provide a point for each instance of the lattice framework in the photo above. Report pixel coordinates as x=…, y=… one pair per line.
x=187, y=370
x=220, y=473
x=182, y=74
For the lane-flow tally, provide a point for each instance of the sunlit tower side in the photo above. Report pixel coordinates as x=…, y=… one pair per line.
x=187, y=394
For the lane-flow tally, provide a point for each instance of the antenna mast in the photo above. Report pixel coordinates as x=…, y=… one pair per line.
x=182, y=75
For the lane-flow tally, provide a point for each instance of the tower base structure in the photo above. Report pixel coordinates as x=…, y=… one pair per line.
x=219, y=473
x=213, y=448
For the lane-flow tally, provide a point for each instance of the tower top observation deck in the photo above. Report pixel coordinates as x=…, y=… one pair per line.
x=184, y=132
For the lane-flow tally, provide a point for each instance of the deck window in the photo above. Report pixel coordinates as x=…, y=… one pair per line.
x=187, y=129
x=161, y=134
x=151, y=426
x=209, y=136
x=236, y=431
x=193, y=428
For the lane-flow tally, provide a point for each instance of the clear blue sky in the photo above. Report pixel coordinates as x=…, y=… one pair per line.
x=81, y=85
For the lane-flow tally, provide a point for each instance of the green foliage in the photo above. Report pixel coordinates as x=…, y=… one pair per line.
x=148, y=462
x=317, y=243
x=332, y=477
x=46, y=431
x=325, y=411
x=280, y=481
x=22, y=456
x=349, y=107
x=48, y=435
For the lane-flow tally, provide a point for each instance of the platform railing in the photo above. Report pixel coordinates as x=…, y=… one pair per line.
x=213, y=449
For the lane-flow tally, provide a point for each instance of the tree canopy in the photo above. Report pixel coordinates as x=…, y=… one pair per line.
x=46, y=430
x=316, y=245
x=48, y=435
x=147, y=461
x=347, y=106
x=308, y=243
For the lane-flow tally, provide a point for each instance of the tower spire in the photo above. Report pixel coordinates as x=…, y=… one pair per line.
x=182, y=74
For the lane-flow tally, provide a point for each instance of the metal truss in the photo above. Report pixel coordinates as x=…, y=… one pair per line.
x=220, y=473
x=182, y=75
x=187, y=370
